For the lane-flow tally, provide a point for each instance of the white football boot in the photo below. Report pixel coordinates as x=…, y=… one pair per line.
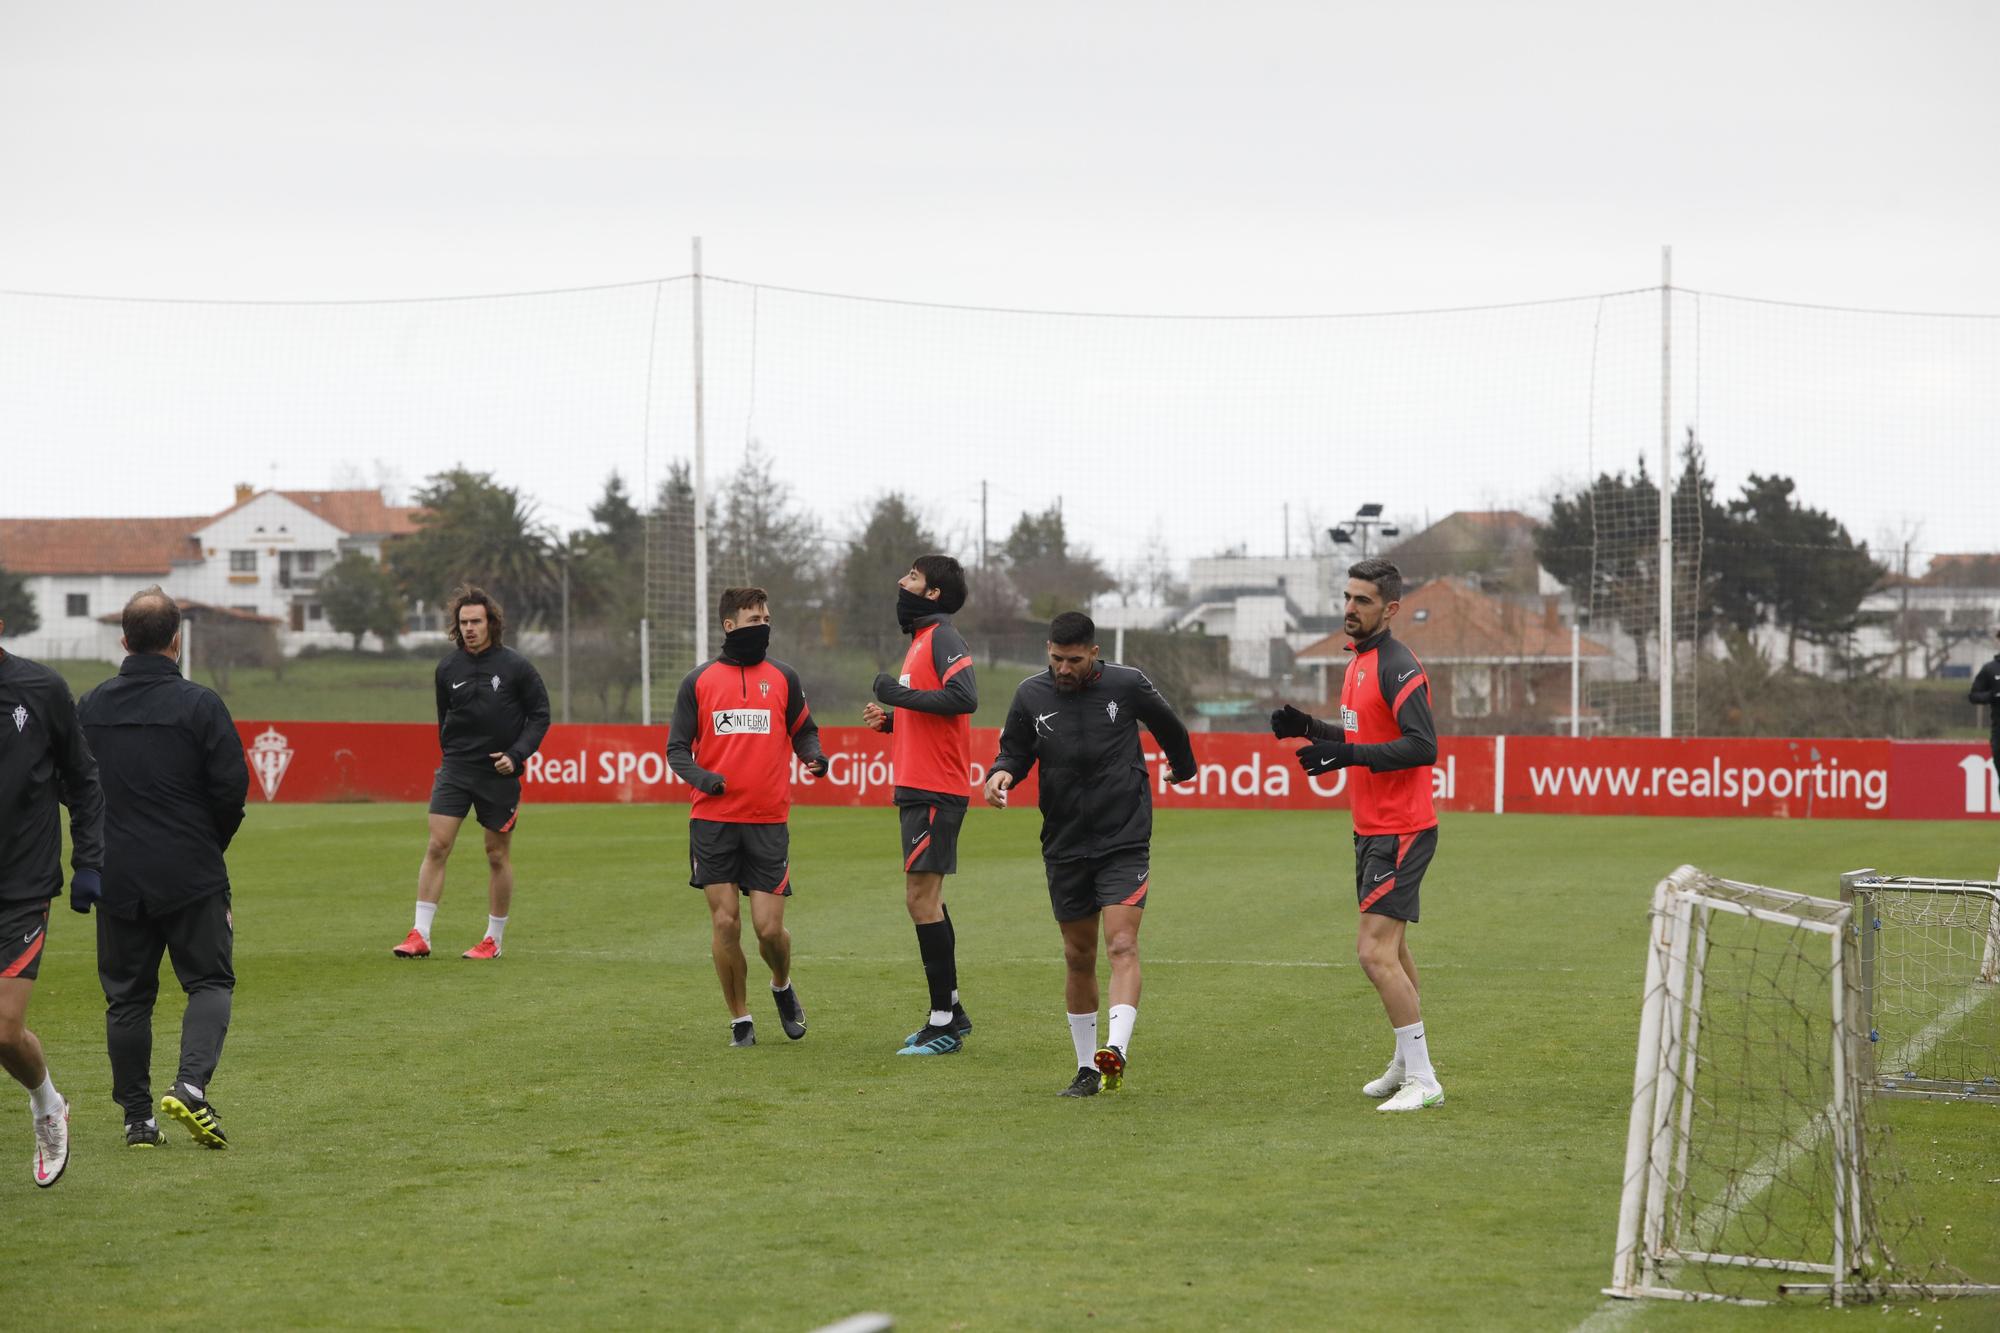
x=1415, y=1095
x=1392, y=1079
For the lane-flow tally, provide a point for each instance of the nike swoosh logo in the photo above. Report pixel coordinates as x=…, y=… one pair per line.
x=1406, y=675
x=458, y=685
x=953, y=658
x=1384, y=875
x=29, y=938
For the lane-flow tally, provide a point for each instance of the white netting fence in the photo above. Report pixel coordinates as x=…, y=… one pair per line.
x=1179, y=476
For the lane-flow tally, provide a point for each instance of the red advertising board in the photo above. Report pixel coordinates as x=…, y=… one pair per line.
x=1775, y=778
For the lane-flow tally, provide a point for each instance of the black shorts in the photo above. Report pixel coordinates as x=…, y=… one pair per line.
x=1078, y=889
x=750, y=856
x=24, y=929
x=930, y=837
x=1389, y=868
x=495, y=796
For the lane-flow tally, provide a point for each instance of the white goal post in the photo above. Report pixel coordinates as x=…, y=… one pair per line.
x=1750, y=1152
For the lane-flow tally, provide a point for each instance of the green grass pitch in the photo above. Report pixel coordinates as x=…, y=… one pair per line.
x=564, y=1139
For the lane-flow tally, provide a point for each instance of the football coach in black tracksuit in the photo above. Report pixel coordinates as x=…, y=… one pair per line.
x=1080, y=721
x=174, y=785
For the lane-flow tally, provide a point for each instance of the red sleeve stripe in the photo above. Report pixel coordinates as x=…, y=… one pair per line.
x=1397, y=707
x=956, y=667
x=805, y=711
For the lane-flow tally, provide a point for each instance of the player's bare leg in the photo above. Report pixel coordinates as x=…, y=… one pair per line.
x=499, y=872
x=1380, y=947
x=1121, y=941
x=443, y=836
x=923, y=894
x=726, y=946
x=437, y=851
x=1383, y=951
x=21, y=1056
x=20, y=1049
x=499, y=893
x=1080, y=1000
x=1080, y=965
x=774, y=942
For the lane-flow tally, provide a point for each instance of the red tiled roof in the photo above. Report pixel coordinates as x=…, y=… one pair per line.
x=362, y=513
x=96, y=545
x=357, y=512
x=1462, y=623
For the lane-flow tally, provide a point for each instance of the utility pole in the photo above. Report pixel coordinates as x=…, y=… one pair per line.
x=700, y=480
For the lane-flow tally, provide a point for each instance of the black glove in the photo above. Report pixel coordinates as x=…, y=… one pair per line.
x=1288, y=723
x=817, y=766
x=711, y=784
x=1325, y=757
x=86, y=890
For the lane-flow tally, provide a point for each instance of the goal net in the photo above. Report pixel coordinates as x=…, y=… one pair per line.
x=1930, y=985
x=1752, y=1164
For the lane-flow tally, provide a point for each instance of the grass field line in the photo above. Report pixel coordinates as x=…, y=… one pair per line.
x=1745, y=1189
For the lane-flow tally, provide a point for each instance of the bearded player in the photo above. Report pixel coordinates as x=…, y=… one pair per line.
x=1388, y=740
x=928, y=712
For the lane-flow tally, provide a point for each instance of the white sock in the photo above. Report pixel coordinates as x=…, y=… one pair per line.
x=954, y=996
x=496, y=926
x=1123, y=1016
x=426, y=913
x=45, y=1100
x=940, y=1018
x=1415, y=1053
x=1083, y=1036
x=776, y=989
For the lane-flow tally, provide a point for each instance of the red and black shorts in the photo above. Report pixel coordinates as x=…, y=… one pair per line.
x=1389, y=867
x=24, y=928
x=1079, y=889
x=750, y=856
x=930, y=836
x=495, y=797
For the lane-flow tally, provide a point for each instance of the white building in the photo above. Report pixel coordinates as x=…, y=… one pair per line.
x=264, y=555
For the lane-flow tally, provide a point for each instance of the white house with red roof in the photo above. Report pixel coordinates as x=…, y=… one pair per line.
x=263, y=556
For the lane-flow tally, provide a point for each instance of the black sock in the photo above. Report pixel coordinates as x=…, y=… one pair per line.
x=934, y=943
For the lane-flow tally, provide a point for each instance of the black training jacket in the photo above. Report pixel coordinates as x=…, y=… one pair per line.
x=174, y=783
x=1986, y=690
x=1096, y=793
x=491, y=704
x=43, y=760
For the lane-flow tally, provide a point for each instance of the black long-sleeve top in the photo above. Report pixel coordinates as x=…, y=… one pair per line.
x=1986, y=690
x=492, y=703
x=174, y=785
x=44, y=761
x=1096, y=792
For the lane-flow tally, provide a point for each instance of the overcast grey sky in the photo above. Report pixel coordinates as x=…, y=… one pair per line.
x=1195, y=159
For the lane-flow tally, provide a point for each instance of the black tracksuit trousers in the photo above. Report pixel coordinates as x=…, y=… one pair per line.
x=200, y=939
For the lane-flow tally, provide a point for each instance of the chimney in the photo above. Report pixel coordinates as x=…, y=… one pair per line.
x=244, y=490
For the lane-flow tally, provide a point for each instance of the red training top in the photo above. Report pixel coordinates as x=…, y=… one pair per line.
x=1385, y=711
x=742, y=724
x=931, y=728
